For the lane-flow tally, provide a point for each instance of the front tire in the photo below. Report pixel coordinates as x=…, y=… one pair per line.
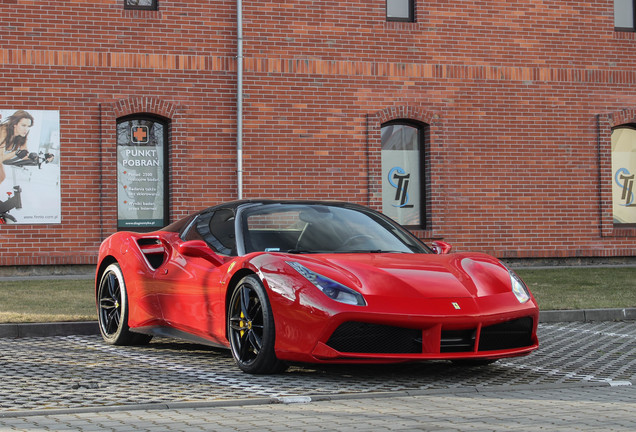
x=250, y=328
x=112, y=309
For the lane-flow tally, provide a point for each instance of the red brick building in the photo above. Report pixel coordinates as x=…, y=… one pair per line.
x=513, y=105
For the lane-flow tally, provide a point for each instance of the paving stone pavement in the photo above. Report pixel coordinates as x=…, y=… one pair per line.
x=580, y=379
x=564, y=409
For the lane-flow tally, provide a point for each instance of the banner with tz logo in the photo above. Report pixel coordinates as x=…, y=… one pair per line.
x=401, y=186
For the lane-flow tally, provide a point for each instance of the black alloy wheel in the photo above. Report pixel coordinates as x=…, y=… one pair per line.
x=112, y=309
x=250, y=327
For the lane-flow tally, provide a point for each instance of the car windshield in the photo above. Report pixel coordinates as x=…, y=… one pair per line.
x=319, y=228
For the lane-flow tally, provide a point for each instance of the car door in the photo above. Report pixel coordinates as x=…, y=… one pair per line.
x=189, y=288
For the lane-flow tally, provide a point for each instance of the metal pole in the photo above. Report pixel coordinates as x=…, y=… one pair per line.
x=239, y=97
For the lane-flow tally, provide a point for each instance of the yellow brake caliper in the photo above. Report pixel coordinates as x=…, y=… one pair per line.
x=242, y=324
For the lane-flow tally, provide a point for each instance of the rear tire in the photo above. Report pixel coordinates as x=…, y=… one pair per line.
x=250, y=328
x=112, y=309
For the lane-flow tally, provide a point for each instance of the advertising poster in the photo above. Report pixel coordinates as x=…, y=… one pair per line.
x=140, y=174
x=30, y=170
x=623, y=172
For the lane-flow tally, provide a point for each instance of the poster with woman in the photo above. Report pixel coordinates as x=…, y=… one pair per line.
x=30, y=166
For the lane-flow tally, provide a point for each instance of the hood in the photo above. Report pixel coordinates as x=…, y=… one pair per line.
x=430, y=276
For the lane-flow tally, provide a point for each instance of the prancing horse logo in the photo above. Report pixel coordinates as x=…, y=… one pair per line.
x=456, y=305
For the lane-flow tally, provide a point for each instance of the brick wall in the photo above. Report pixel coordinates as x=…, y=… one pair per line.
x=520, y=98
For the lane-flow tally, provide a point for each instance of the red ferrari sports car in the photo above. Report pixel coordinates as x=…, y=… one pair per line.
x=313, y=282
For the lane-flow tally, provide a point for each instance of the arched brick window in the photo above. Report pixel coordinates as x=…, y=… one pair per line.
x=142, y=172
x=624, y=175
x=404, y=171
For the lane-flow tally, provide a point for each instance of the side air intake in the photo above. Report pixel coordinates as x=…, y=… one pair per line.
x=153, y=250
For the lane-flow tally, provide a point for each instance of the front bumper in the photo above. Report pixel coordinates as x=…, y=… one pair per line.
x=379, y=342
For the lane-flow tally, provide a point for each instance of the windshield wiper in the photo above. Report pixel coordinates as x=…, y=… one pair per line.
x=300, y=251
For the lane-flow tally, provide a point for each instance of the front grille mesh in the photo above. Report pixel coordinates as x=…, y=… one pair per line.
x=358, y=337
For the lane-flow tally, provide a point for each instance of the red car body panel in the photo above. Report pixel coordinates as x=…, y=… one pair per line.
x=433, y=294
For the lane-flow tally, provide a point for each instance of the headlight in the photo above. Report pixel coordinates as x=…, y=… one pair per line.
x=329, y=287
x=519, y=288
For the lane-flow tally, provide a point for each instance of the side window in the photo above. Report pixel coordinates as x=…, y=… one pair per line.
x=222, y=230
x=403, y=172
x=624, y=14
x=191, y=230
x=400, y=10
x=141, y=4
x=181, y=226
x=216, y=229
x=623, y=175
x=142, y=172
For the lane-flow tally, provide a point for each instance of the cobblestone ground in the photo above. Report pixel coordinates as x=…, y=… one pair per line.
x=580, y=377
x=82, y=371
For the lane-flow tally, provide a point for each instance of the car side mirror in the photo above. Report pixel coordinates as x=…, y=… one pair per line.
x=199, y=249
x=441, y=248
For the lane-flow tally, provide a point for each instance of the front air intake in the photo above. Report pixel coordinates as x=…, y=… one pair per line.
x=358, y=337
x=507, y=335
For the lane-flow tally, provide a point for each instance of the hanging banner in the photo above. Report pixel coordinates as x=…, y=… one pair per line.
x=30, y=167
x=401, y=186
x=140, y=174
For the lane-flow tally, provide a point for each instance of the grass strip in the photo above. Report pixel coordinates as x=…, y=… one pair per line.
x=47, y=301
x=582, y=287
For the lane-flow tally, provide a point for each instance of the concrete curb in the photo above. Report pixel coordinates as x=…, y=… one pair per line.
x=21, y=330
x=586, y=315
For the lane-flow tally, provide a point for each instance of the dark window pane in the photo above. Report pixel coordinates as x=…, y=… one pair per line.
x=140, y=4
x=399, y=10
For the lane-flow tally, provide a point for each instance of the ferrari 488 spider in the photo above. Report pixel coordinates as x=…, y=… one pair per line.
x=314, y=282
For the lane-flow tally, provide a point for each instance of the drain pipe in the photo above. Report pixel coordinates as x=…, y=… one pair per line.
x=239, y=97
